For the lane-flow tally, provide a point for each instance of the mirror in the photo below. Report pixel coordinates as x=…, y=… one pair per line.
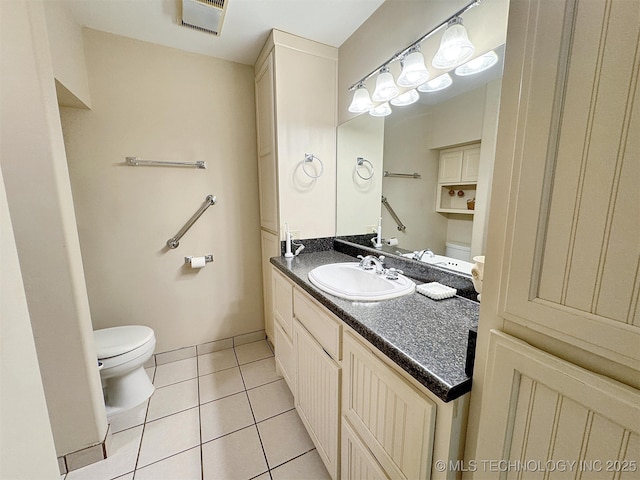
x=411, y=140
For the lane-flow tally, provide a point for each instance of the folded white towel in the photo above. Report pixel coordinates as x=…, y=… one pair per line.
x=436, y=291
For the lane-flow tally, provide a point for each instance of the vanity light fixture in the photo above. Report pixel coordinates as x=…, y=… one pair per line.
x=406, y=98
x=478, y=64
x=455, y=46
x=414, y=72
x=361, y=100
x=386, y=87
x=381, y=110
x=437, y=84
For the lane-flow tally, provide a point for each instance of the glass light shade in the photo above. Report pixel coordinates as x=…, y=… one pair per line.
x=455, y=46
x=478, y=64
x=386, y=87
x=438, y=83
x=381, y=110
x=414, y=71
x=361, y=101
x=406, y=98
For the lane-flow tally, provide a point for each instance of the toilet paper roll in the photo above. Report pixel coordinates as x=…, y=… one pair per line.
x=198, y=262
x=392, y=241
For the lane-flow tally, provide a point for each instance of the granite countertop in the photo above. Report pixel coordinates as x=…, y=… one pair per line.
x=426, y=338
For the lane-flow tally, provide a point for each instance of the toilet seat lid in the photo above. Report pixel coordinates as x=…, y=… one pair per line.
x=114, y=341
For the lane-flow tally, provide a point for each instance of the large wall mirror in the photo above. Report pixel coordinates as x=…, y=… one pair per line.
x=378, y=157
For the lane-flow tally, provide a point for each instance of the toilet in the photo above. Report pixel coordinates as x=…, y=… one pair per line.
x=122, y=353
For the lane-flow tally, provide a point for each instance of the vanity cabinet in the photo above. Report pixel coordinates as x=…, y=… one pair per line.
x=458, y=173
x=367, y=417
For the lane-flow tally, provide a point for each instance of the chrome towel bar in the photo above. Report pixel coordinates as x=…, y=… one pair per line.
x=135, y=161
x=173, y=242
x=401, y=175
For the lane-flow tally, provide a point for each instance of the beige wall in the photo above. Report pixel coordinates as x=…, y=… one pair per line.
x=26, y=441
x=39, y=197
x=162, y=104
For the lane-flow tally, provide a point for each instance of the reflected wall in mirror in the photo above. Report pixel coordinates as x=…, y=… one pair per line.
x=410, y=140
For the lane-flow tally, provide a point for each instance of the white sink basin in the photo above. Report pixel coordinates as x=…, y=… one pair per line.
x=456, y=265
x=350, y=281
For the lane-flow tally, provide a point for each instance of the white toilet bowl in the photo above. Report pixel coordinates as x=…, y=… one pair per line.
x=122, y=351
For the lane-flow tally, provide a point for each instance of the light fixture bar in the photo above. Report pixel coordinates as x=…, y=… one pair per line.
x=403, y=52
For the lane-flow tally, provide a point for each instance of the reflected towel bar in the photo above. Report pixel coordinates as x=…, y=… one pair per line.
x=401, y=227
x=403, y=175
x=173, y=242
x=135, y=161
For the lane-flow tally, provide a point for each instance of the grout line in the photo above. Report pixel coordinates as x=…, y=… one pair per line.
x=294, y=458
x=144, y=427
x=199, y=416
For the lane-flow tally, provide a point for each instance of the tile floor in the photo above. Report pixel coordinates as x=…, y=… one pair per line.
x=223, y=415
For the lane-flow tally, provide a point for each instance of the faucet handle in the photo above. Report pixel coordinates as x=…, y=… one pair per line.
x=392, y=273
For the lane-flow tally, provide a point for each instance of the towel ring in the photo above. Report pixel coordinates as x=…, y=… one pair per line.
x=361, y=161
x=309, y=158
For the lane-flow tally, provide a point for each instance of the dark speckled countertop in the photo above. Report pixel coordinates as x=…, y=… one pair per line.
x=426, y=338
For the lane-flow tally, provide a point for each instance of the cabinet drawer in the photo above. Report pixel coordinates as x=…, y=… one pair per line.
x=323, y=327
x=282, y=291
x=285, y=359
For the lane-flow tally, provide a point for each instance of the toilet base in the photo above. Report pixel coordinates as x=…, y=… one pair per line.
x=127, y=391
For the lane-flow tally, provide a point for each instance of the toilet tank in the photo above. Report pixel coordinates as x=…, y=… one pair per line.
x=458, y=251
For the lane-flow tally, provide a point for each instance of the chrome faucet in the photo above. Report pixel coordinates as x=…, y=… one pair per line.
x=370, y=261
x=427, y=251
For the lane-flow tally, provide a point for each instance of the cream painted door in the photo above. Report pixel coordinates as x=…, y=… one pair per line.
x=270, y=246
x=562, y=267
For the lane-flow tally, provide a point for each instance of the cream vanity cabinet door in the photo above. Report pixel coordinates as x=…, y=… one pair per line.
x=357, y=460
x=270, y=247
x=282, y=294
x=563, y=242
x=267, y=163
x=317, y=337
x=387, y=414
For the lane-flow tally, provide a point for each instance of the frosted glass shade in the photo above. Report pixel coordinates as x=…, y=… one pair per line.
x=455, y=46
x=386, y=87
x=478, y=64
x=381, y=110
x=406, y=98
x=438, y=83
x=361, y=101
x=414, y=72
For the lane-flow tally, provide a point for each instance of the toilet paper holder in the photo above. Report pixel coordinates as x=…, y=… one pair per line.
x=207, y=259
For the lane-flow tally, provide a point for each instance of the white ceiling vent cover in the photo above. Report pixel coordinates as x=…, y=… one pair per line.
x=204, y=15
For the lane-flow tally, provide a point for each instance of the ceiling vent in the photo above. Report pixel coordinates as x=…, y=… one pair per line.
x=204, y=15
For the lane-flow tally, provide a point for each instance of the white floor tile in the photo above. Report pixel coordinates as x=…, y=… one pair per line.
x=183, y=466
x=129, y=418
x=124, y=448
x=250, y=352
x=216, y=361
x=224, y=416
x=128, y=476
x=270, y=399
x=284, y=437
x=176, y=372
x=308, y=466
x=151, y=372
x=236, y=456
x=168, y=436
x=260, y=372
x=264, y=476
x=220, y=384
x=172, y=399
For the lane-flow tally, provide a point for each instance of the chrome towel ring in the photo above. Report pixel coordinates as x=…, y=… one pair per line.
x=359, y=163
x=308, y=159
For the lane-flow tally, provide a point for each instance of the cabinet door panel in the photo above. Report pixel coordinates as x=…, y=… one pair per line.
x=546, y=411
x=390, y=415
x=317, y=396
x=270, y=247
x=450, y=166
x=470, y=165
x=285, y=358
x=571, y=251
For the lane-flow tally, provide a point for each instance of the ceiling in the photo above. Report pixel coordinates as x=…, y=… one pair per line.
x=246, y=25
